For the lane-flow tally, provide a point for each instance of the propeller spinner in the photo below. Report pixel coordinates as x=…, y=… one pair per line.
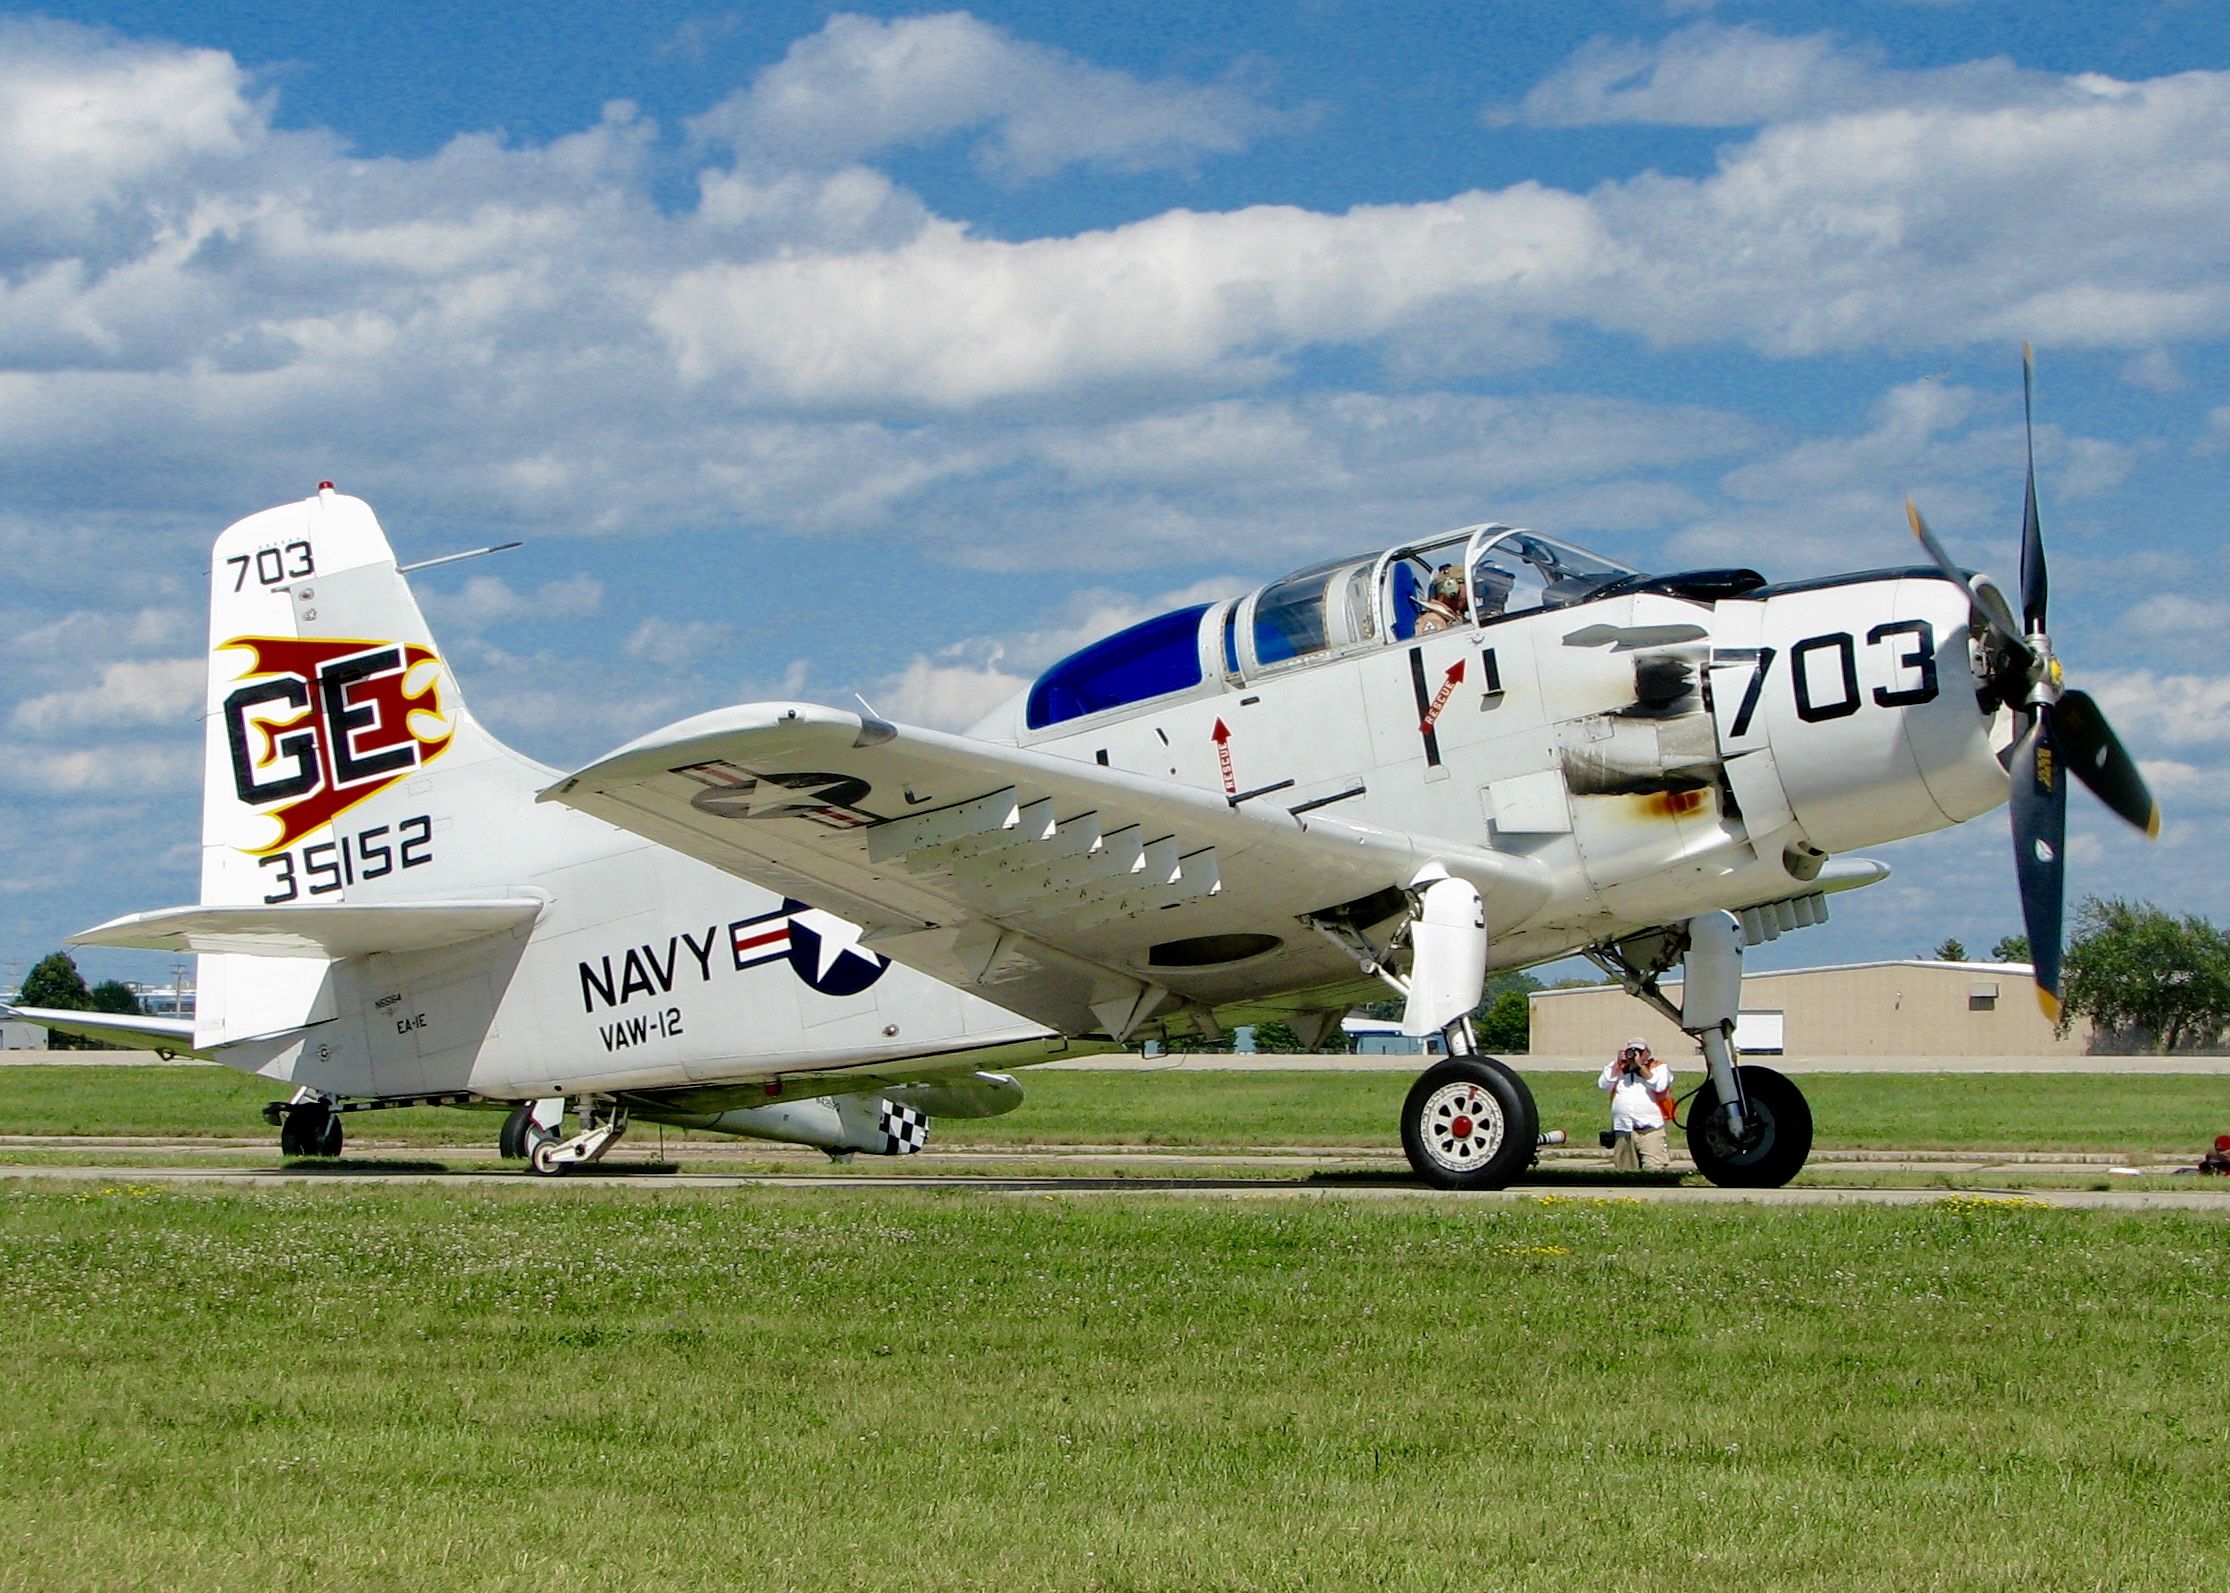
x=2060, y=729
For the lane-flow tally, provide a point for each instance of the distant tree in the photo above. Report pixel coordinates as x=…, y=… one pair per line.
x=113, y=995
x=1953, y=949
x=2133, y=967
x=1276, y=1038
x=1506, y=1028
x=1501, y=984
x=54, y=982
x=2011, y=948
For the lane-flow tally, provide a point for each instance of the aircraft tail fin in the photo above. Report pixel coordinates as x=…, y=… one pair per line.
x=337, y=746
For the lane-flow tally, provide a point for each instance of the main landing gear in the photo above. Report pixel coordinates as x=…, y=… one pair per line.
x=1748, y=1127
x=1469, y=1122
x=532, y=1133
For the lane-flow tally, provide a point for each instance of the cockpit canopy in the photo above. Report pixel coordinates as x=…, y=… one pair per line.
x=1479, y=575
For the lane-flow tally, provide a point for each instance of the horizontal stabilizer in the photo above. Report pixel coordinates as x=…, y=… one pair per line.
x=115, y=1028
x=311, y=930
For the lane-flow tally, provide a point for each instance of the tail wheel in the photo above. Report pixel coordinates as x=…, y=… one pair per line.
x=1776, y=1139
x=1469, y=1123
x=310, y=1130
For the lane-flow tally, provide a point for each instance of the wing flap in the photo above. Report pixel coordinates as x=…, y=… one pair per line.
x=357, y=929
x=1056, y=886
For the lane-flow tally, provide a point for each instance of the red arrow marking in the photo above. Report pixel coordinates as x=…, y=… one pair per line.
x=1440, y=698
x=1221, y=735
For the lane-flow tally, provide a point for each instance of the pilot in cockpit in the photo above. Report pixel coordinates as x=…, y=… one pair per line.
x=1444, y=604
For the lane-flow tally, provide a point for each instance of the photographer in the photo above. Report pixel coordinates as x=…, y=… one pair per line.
x=1641, y=1091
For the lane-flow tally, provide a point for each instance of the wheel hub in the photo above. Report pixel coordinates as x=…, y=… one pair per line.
x=1463, y=1127
x=1756, y=1135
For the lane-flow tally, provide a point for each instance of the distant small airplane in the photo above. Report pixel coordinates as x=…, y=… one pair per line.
x=1478, y=750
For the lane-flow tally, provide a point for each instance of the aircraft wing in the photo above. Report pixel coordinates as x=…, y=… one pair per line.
x=312, y=929
x=138, y=1033
x=1087, y=898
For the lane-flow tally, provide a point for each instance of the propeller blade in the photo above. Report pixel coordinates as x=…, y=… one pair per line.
x=2036, y=585
x=2038, y=803
x=1982, y=592
x=2098, y=759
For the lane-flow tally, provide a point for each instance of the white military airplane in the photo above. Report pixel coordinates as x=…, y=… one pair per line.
x=1478, y=750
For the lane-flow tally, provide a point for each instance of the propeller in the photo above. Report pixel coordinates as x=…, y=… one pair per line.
x=2060, y=730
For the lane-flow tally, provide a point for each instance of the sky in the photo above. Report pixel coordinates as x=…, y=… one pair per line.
x=900, y=352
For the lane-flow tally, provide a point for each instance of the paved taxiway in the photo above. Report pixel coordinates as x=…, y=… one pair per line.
x=1313, y=1174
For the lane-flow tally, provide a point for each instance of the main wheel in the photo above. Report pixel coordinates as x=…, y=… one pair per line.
x=330, y=1138
x=1775, y=1141
x=511, y=1144
x=1469, y=1123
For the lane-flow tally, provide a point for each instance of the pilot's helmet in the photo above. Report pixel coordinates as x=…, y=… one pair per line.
x=1447, y=587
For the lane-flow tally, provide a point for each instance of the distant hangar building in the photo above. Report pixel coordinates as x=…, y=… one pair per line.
x=1907, y=1009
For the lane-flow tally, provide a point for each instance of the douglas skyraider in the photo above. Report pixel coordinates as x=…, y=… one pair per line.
x=1473, y=751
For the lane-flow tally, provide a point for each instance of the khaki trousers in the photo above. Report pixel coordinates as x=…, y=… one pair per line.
x=1645, y=1150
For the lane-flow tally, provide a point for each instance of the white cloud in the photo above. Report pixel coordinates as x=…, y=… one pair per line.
x=2177, y=612
x=861, y=86
x=952, y=320
x=542, y=342
x=486, y=600
x=124, y=770
x=1897, y=226
x=680, y=643
x=90, y=120
x=1711, y=75
x=138, y=692
x=73, y=636
x=944, y=695
x=2154, y=710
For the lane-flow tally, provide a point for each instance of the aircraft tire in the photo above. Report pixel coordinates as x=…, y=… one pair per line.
x=1469, y=1123
x=542, y=1158
x=307, y=1130
x=511, y=1144
x=1771, y=1157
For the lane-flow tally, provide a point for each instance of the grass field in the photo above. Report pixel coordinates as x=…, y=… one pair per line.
x=578, y=1387
x=2122, y=1115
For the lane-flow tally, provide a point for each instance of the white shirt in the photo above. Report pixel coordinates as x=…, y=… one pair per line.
x=1631, y=1108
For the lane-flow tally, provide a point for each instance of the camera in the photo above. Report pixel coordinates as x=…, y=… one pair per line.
x=1606, y=1139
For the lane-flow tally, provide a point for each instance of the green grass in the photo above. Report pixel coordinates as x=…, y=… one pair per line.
x=575, y=1387
x=2121, y=1115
